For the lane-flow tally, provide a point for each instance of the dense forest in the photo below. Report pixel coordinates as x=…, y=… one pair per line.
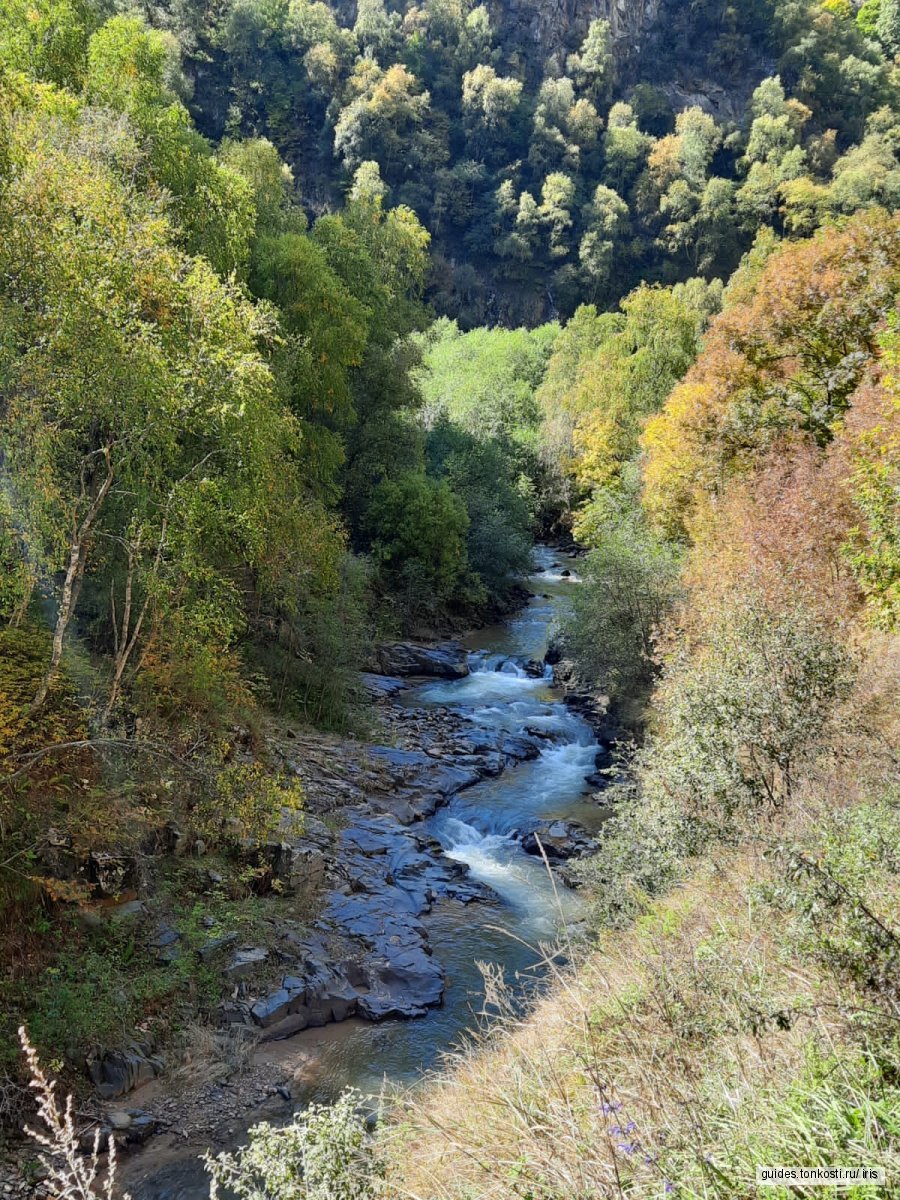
x=314, y=317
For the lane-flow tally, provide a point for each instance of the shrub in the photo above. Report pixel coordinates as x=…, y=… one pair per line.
x=323, y=1154
x=742, y=713
x=629, y=584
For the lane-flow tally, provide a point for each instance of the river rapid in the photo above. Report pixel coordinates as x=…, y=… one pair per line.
x=479, y=828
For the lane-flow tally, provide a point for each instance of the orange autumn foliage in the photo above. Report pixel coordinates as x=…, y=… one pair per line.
x=780, y=532
x=786, y=359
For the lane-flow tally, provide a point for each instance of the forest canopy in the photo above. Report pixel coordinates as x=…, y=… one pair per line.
x=315, y=316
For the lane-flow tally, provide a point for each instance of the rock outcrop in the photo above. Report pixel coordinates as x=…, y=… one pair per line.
x=545, y=27
x=368, y=954
x=446, y=660
x=560, y=841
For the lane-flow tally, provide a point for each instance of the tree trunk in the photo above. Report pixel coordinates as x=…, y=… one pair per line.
x=71, y=587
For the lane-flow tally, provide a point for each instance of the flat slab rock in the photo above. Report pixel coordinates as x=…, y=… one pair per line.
x=382, y=687
x=446, y=660
x=369, y=954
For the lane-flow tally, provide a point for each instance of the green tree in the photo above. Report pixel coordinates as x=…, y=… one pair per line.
x=483, y=475
x=565, y=128
x=490, y=103
x=130, y=69
x=741, y=716
x=142, y=428
x=606, y=225
x=593, y=66
x=629, y=584
x=887, y=26
x=417, y=529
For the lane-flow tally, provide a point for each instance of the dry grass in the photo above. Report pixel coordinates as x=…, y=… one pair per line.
x=210, y=1054
x=653, y=1068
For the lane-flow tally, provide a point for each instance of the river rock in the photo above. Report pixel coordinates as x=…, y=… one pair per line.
x=143, y=1126
x=554, y=654
x=164, y=936
x=245, y=961
x=561, y=841
x=382, y=687
x=368, y=954
x=114, y=1073
x=447, y=660
x=420, y=783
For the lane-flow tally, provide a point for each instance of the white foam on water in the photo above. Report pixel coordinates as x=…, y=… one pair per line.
x=482, y=688
x=554, y=577
x=560, y=772
x=520, y=881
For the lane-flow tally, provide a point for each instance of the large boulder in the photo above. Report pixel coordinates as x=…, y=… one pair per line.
x=448, y=660
x=116, y=1072
x=561, y=840
x=382, y=687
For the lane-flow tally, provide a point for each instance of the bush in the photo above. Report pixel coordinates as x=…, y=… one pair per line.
x=743, y=713
x=839, y=894
x=418, y=529
x=629, y=584
x=323, y=1154
x=642, y=852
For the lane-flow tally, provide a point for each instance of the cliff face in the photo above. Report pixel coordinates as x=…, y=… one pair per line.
x=544, y=27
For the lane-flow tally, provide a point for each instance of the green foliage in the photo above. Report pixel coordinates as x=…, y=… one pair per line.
x=867, y=17
x=840, y=894
x=48, y=40
x=629, y=583
x=472, y=128
x=644, y=849
x=244, y=801
x=481, y=473
x=887, y=25
x=134, y=70
x=741, y=715
x=323, y=1154
x=485, y=381
x=609, y=372
x=417, y=527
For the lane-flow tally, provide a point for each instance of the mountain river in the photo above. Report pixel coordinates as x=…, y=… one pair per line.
x=477, y=828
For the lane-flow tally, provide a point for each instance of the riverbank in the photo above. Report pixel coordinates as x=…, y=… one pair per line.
x=374, y=883
x=743, y=1020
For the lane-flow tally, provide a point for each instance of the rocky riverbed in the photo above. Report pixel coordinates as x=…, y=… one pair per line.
x=387, y=852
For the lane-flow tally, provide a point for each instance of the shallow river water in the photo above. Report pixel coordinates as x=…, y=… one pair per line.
x=477, y=827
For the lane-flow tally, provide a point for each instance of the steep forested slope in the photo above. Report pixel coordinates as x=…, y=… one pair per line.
x=313, y=315
x=561, y=153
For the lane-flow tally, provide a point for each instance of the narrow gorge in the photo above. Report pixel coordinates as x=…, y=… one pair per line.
x=440, y=871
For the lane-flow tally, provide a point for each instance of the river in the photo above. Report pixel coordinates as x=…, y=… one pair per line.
x=477, y=828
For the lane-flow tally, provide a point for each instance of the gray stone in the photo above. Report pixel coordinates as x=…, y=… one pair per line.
x=561, y=840
x=165, y=935
x=409, y=659
x=246, y=961
x=382, y=687
x=212, y=947
x=116, y=1072
x=143, y=1127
